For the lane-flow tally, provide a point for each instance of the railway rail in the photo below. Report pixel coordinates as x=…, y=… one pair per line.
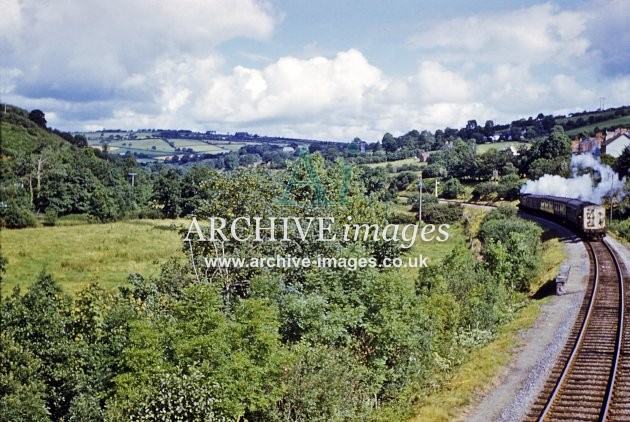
x=591, y=378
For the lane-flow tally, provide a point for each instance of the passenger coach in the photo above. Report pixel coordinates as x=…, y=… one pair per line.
x=586, y=218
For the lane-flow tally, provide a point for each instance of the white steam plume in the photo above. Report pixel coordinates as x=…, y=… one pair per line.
x=580, y=187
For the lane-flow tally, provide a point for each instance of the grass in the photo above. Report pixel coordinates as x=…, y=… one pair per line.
x=396, y=164
x=198, y=146
x=482, y=148
x=618, y=122
x=140, y=144
x=481, y=371
x=80, y=254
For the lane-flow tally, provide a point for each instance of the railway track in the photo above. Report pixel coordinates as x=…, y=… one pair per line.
x=591, y=378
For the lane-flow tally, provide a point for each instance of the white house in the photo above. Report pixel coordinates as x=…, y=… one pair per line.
x=614, y=145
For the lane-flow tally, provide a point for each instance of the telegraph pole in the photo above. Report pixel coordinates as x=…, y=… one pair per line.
x=133, y=178
x=420, y=198
x=436, y=185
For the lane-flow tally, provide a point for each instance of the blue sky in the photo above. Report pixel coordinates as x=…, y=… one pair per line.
x=314, y=69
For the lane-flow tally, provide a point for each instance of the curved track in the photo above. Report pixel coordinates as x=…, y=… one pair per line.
x=591, y=379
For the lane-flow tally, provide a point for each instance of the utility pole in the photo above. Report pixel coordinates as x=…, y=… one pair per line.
x=133, y=178
x=611, y=206
x=436, y=185
x=611, y=200
x=420, y=198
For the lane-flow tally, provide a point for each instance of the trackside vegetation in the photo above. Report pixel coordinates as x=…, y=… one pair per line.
x=170, y=338
x=255, y=343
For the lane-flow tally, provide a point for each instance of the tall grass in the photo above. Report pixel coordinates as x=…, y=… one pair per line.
x=77, y=255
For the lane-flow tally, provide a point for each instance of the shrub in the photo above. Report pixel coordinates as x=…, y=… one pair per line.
x=509, y=187
x=442, y=213
x=511, y=248
x=434, y=170
x=15, y=216
x=484, y=189
x=451, y=188
x=400, y=218
x=51, y=217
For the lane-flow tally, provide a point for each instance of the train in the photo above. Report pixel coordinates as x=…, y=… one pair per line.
x=586, y=218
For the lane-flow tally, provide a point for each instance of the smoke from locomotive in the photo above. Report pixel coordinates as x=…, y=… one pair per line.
x=579, y=186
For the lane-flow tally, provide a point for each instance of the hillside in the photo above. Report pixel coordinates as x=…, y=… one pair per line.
x=53, y=173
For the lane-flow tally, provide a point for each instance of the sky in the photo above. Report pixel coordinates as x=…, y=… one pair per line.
x=325, y=69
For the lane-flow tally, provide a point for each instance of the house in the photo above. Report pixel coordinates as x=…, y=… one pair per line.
x=575, y=146
x=614, y=145
x=589, y=146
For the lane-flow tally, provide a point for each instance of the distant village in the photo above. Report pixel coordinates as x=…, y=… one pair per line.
x=611, y=143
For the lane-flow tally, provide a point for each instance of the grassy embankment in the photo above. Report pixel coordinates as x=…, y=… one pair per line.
x=484, y=366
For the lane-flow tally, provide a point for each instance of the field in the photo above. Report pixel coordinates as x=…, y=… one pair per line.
x=619, y=122
x=143, y=144
x=158, y=149
x=80, y=254
x=199, y=146
x=481, y=148
x=396, y=164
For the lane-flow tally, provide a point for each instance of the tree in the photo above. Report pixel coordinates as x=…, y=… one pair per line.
x=509, y=187
x=622, y=163
x=488, y=128
x=167, y=193
x=389, y=143
x=231, y=161
x=38, y=117
x=375, y=180
x=556, y=145
x=451, y=188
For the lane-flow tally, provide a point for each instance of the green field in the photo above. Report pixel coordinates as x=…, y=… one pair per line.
x=619, y=122
x=142, y=144
x=88, y=253
x=396, y=164
x=481, y=148
x=80, y=254
x=198, y=146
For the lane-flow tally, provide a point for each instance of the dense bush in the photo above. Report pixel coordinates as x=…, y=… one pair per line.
x=442, y=213
x=16, y=216
x=484, y=189
x=511, y=248
x=452, y=188
x=509, y=187
x=254, y=344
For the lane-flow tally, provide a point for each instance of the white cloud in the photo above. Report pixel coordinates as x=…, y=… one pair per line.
x=292, y=89
x=529, y=35
x=438, y=84
x=140, y=63
x=86, y=50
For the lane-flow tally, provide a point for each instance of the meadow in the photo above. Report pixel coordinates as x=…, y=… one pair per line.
x=396, y=164
x=481, y=148
x=77, y=255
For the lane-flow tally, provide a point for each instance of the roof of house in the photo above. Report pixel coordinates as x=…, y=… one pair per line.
x=613, y=138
